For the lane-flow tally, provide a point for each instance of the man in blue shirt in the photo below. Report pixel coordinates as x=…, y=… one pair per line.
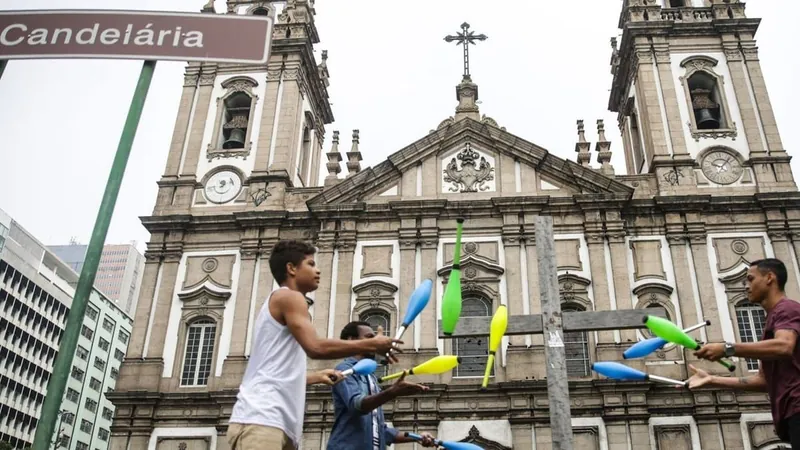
x=358, y=414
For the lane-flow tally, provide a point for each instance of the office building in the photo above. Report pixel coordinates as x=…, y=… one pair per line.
x=36, y=290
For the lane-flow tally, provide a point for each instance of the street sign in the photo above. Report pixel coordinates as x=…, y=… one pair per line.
x=143, y=35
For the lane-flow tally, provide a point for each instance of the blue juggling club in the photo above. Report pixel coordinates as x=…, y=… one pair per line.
x=364, y=367
x=619, y=371
x=647, y=346
x=417, y=302
x=447, y=445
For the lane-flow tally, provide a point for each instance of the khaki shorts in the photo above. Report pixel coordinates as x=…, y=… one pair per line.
x=257, y=437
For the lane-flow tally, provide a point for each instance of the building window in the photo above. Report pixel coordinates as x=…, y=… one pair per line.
x=576, y=347
x=86, y=426
x=95, y=384
x=73, y=395
x=81, y=446
x=91, y=313
x=377, y=318
x=118, y=355
x=103, y=344
x=197, y=358
x=77, y=373
x=709, y=116
x=68, y=418
x=91, y=405
x=108, y=325
x=99, y=363
x=82, y=353
x=87, y=332
x=102, y=434
x=473, y=351
x=750, y=319
x=123, y=336
x=114, y=373
x=107, y=413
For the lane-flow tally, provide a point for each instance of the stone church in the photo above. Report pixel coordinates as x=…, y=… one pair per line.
x=708, y=188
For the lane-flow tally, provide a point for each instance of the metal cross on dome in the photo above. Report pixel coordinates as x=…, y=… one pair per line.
x=466, y=37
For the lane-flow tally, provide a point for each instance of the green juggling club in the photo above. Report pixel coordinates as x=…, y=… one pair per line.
x=670, y=332
x=451, y=302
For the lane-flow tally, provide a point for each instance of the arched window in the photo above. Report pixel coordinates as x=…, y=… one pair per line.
x=576, y=347
x=376, y=318
x=473, y=351
x=750, y=319
x=709, y=115
x=197, y=358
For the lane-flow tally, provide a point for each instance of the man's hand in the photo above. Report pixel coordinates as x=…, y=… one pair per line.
x=699, y=378
x=385, y=345
x=403, y=388
x=711, y=352
x=427, y=440
x=326, y=376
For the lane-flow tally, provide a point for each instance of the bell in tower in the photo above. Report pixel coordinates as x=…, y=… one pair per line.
x=706, y=110
x=237, y=111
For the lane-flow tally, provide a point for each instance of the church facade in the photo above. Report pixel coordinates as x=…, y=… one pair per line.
x=708, y=189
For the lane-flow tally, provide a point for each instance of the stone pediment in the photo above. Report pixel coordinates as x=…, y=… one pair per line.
x=467, y=153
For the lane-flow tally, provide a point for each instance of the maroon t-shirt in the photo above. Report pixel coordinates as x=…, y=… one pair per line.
x=783, y=375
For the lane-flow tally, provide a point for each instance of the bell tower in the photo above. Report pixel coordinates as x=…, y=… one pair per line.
x=691, y=99
x=244, y=132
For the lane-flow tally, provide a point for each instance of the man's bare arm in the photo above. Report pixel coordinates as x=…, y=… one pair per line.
x=294, y=311
x=779, y=347
x=755, y=383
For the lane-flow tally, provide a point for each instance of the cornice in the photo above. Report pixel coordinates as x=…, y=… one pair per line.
x=172, y=222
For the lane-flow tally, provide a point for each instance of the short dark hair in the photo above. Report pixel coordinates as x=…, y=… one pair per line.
x=285, y=252
x=350, y=331
x=775, y=266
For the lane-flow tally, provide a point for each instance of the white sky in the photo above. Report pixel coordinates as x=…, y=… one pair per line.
x=544, y=66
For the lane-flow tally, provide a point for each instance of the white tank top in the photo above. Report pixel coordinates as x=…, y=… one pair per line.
x=273, y=390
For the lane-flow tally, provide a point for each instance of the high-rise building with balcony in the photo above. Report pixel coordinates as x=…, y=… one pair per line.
x=36, y=290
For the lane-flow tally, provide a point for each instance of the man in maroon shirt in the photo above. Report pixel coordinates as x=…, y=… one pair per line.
x=777, y=351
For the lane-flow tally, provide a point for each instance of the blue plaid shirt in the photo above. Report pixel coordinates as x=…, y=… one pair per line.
x=352, y=429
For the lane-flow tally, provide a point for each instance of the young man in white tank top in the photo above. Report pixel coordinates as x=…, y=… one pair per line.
x=268, y=414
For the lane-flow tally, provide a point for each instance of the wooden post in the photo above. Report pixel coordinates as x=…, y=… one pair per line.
x=555, y=358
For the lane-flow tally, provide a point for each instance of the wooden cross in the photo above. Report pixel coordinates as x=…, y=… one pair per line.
x=552, y=324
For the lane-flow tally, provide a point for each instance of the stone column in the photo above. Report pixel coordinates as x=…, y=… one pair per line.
x=731, y=432
x=142, y=314
x=166, y=292
x=736, y=66
x=346, y=244
x=640, y=433
x=781, y=246
x=200, y=120
x=322, y=298
x=514, y=287
x=617, y=433
x=182, y=121
x=683, y=279
x=595, y=239
x=268, y=117
x=242, y=307
x=429, y=246
x=668, y=94
x=289, y=124
x=265, y=278
x=648, y=95
x=619, y=273
x=533, y=279
x=763, y=104
x=708, y=429
x=705, y=283
x=407, y=236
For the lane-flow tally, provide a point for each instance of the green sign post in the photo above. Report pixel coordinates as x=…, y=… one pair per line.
x=46, y=34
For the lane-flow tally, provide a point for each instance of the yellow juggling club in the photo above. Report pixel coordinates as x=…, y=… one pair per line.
x=433, y=366
x=496, y=332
